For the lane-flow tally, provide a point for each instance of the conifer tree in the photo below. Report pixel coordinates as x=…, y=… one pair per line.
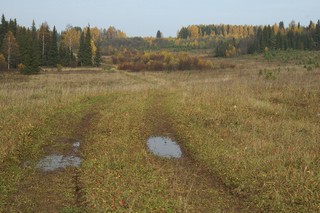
x=3, y=29
x=22, y=37
x=317, y=35
x=97, y=58
x=159, y=34
x=53, y=59
x=63, y=55
x=31, y=53
x=13, y=27
x=87, y=49
x=81, y=50
x=31, y=60
x=85, y=55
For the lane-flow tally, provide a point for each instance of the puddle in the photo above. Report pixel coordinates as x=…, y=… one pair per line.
x=55, y=162
x=164, y=147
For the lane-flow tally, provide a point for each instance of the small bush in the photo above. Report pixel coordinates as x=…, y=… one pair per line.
x=59, y=67
x=21, y=67
x=3, y=63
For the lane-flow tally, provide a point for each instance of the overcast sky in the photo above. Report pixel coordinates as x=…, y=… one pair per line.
x=145, y=17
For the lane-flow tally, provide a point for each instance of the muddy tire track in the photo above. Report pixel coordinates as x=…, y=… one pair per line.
x=194, y=183
x=58, y=190
x=80, y=132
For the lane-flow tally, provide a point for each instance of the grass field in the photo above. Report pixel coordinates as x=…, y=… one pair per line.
x=249, y=130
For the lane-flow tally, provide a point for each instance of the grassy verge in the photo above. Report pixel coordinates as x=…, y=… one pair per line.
x=260, y=136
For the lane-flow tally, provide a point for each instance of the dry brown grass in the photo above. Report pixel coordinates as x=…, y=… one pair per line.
x=25, y=99
x=254, y=125
x=260, y=134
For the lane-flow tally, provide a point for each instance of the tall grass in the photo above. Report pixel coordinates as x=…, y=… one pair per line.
x=258, y=135
x=26, y=100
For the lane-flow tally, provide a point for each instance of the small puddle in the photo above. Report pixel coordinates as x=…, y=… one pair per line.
x=55, y=162
x=164, y=147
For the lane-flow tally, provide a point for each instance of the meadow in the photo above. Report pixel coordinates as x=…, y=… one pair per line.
x=249, y=128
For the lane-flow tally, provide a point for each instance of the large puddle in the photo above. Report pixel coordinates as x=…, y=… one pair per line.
x=164, y=147
x=55, y=162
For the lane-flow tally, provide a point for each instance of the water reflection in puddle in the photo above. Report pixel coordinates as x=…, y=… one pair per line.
x=164, y=147
x=55, y=162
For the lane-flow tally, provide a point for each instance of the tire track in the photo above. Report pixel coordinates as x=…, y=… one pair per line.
x=58, y=190
x=199, y=189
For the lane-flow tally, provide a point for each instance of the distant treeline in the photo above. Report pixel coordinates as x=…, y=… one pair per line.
x=227, y=40
x=250, y=39
x=227, y=31
x=29, y=48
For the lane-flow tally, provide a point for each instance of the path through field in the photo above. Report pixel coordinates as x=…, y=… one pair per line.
x=53, y=189
x=133, y=178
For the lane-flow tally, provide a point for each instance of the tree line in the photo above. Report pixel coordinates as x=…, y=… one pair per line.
x=30, y=48
x=225, y=40
x=227, y=31
x=295, y=36
x=231, y=40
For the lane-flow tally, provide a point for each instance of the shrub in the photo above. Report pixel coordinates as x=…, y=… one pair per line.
x=160, y=61
x=135, y=67
x=185, y=62
x=157, y=66
x=3, y=63
x=21, y=67
x=59, y=67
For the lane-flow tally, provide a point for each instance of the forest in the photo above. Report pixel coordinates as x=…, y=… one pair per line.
x=28, y=48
